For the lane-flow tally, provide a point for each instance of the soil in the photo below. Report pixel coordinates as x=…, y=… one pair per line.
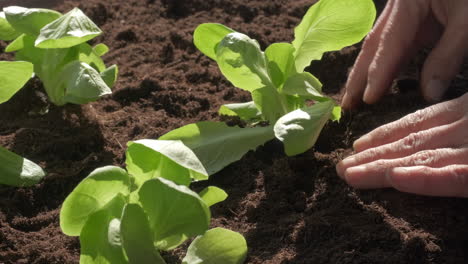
x=290, y=209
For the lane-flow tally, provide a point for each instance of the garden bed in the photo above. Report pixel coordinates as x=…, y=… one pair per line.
x=290, y=209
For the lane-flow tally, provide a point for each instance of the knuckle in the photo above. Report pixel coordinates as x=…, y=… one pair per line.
x=415, y=119
x=371, y=153
x=424, y=170
x=381, y=163
x=425, y=157
x=412, y=141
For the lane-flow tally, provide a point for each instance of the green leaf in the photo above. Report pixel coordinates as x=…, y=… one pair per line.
x=17, y=44
x=299, y=129
x=137, y=238
x=246, y=111
x=92, y=194
x=100, y=239
x=213, y=195
x=88, y=55
x=101, y=49
x=242, y=62
x=217, y=246
x=244, y=65
x=18, y=171
x=82, y=83
x=110, y=75
x=174, y=211
x=69, y=30
x=304, y=85
x=336, y=113
x=27, y=52
x=280, y=57
x=331, y=25
x=207, y=37
x=13, y=76
x=7, y=32
x=269, y=104
x=29, y=20
x=170, y=159
x=217, y=145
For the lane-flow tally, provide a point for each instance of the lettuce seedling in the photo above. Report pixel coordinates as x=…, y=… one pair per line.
x=71, y=70
x=16, y=170
x=129, y=216
x=284, y=96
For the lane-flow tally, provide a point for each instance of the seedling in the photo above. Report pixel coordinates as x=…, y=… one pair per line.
x=129, y=216
x=16, y=170
x=284, y=96
x=71, y=70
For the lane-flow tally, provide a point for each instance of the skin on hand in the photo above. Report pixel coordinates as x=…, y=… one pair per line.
x=403, y=28
x=425, y=152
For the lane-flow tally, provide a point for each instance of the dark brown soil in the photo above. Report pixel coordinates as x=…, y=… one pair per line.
x=291, y=210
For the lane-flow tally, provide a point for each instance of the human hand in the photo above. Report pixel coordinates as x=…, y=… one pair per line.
x=423, y=153
x=403, y=28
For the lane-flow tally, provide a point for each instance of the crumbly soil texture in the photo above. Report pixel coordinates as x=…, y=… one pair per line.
x=290, y=209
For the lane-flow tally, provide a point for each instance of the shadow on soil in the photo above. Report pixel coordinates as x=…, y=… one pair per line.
x=67, y=142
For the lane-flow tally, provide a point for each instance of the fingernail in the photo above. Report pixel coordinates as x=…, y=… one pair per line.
x=346, y=101
x=355, y=171
x=367, y=97
x=343, y=165
x=360, y=142
x=354, y=176
x=436, y=89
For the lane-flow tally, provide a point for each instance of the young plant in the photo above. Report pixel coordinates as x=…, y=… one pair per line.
x=16, y=170
x=284, y=96
x=71, y=70
x=129, y=216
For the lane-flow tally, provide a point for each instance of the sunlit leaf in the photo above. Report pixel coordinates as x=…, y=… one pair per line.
x=92, y=194
x=217, y=145
x=299, y=129
x=213, y=195
x=69, y=30
x=100, y=238
x=29, y=20
x=174, y=212
x=207, y=37
x=18, y=171
x=217, y=246
x=331, y=25
x=137, y=238
x=13, y=76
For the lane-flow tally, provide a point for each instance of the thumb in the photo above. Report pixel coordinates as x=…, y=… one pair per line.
x=444, y=61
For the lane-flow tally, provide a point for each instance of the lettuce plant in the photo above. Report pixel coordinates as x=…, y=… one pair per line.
x=16, y=170
x=284, y=96
x=71, y=70
x=129, y=216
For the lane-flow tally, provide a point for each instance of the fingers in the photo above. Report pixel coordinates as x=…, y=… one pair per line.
x=445, y=60
x=373, y=174
x=446, y=181
x=397, y=40
x=451, y=135
x=436, y=115
x=358, y=77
